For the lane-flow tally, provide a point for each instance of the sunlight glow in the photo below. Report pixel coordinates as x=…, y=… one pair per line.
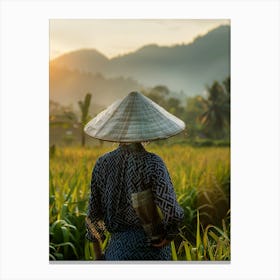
x=121, y=36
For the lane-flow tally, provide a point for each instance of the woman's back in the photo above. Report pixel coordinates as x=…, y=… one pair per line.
x=116, y=175
x=124, y=171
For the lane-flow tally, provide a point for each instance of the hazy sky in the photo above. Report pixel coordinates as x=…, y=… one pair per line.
x=116, y=37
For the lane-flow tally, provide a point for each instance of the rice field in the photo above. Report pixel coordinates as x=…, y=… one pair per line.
x=201, y=178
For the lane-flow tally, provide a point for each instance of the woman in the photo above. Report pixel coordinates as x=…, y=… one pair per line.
x=127, y=173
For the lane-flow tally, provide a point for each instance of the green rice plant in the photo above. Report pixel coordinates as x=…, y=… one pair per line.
x=201, y=178
x=105, y=242
x=89, y=251
x=188, y=248
x=61, y=237
x=213, y=246
x=199, y=245
x=173, y=251
x=57, y=255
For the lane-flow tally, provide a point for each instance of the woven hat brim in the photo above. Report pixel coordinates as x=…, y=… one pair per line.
x=135, y=118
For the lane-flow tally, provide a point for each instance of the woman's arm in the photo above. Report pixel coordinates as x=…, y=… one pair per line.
x=165, y=198
x=162, y=243
x=95, y=227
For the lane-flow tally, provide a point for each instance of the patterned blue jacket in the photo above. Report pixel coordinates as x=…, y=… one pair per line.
x=117, y=174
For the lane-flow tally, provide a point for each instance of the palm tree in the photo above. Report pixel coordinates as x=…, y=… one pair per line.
x=215, y=119
x=84, y=106
x=226, y=84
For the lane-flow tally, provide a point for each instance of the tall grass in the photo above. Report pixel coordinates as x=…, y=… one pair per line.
x=212, y=243
x=201, y=178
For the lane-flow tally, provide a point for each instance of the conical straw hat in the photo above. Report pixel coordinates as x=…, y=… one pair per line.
x=134, y=118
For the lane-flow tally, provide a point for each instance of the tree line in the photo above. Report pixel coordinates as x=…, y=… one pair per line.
x=206, y=117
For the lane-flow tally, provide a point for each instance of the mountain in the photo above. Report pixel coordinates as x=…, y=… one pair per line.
x=183, y=68
x=86, y=60
x=69, y=86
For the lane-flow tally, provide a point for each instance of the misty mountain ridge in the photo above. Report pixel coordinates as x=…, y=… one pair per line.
x=185, y=68
x=84, y=60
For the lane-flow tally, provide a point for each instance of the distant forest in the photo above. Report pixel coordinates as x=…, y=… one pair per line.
x=207, y=117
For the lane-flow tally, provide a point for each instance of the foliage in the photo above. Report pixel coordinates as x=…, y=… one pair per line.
x=84, y=107
x=206, y=118
x=216, y=118
x=211, y=244
x=161, y=95
x=61, y=115
x=194, y=109
x=200, y=177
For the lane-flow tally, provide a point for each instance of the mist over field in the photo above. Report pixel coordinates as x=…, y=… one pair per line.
x=185, y=69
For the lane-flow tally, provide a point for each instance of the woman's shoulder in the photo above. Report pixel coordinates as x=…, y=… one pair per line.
x=102, y=161
x=154, y=158
x=107, y=156
x=144, y=155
